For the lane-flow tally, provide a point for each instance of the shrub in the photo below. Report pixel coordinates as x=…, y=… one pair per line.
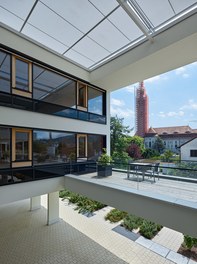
x=115, y=215
x=149, y=229
x=84, y=204
x=131, y=222
x=189, y=242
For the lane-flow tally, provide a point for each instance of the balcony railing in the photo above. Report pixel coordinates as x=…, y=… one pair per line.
x=19, y=102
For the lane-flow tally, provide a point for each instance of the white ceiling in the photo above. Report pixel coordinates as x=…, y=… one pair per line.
x=92, y=32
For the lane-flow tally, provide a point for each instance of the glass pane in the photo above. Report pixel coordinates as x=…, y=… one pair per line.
x=53, y=147
x=82, y=95
x=82, y=147
x=53, y=88
x=95, y=101
x=22, y=146
x=95, y=146
x=4, y=147
x=22, y=75
x=4, y=72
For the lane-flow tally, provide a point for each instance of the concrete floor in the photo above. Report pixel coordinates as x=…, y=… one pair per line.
x=26, y=239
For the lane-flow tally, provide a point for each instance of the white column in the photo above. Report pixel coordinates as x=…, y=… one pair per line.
x=108, y=121
x=35, y=203
x=53, y=208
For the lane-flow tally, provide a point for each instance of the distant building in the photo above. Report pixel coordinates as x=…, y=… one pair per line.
x=141, y=110
x=188, y=150
x=173, y=137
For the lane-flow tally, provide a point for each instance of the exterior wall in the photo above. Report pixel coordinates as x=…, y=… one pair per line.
x=185, y=150
x=171, y=143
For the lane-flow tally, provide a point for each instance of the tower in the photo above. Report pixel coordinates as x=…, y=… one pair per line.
x=141, y=110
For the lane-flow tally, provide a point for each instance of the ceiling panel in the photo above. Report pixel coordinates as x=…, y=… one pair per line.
x=158, y=11
x=90, y=49
x=108, y=36
x=46, y=20
x=125, y=24
x=105, y=6
x=10, y=20
x=82, y=14
x=44, y=39
x=20, y=8
x=181, y=5
x=80, y=59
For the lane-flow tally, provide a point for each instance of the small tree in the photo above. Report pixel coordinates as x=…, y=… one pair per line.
x=134, y=151
x=159, y=145
x=167, y=155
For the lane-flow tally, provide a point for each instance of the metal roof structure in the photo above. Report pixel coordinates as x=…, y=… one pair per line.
x=90, y=33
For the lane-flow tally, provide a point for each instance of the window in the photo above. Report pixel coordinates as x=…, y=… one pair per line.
x=21, y=147
x=53, y=147
x=4, y=147
x=21, y=77
x=82, y=96
x=193, y=153
x=95, y=145
x=95, y=101
x=5, y=72
x=51, y=87
x=82, y=146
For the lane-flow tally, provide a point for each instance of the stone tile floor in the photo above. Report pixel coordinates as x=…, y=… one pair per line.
x=26, y=239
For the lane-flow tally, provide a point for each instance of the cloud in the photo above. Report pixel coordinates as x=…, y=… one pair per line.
x=171, y=114
x=130, y=89
x=117, y=102
x=153, y=79
x=121, y=112
x=182, y=71
x=191, y=105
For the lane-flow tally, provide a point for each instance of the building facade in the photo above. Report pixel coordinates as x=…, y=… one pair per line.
x=173, y=137
x=188, y=150
x=141, y=110
x=51, y=123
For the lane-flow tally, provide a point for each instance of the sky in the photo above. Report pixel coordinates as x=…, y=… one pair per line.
x=172, y=99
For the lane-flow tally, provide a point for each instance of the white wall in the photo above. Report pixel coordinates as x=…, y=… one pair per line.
x=21, y=118
x=185, y=150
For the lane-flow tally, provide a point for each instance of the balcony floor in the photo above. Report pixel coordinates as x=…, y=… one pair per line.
x=172, y=188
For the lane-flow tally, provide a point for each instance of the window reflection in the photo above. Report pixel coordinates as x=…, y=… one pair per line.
x=53, y=147
x=95, y=145
x=22, y=75
x=95, y=101
x=5, y=72
x=4, y=147
x=22, y=146
x=53, y=88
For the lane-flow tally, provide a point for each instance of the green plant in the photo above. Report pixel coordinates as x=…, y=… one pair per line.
x=115, y=215
x=84, y=204
x=104, y=158
x=131, y=222
x=149, y=229
x=189, y=242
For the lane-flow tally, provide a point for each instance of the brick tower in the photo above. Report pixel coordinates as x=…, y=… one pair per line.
x=141, y=110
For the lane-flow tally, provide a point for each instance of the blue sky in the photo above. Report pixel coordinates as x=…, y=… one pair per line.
x=172, y=99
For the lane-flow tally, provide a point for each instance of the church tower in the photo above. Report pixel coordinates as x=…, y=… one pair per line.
x=141, y=110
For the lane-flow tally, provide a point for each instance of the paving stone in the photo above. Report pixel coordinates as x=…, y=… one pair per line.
x=144, y=242
x=192, y=262
x=121, y=230
x=177, y=258
x=161, y=250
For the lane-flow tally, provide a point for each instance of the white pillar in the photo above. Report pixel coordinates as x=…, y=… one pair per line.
x=35, y=203
x=108, y=121
x=53, y=208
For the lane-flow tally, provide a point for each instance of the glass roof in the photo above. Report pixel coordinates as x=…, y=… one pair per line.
x=91, y=32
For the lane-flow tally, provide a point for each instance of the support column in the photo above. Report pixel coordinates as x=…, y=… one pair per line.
x=108, y=122
x=35, y=203
x=53, y=208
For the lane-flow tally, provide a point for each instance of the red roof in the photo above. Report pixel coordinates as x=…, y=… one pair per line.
x=171, y=130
